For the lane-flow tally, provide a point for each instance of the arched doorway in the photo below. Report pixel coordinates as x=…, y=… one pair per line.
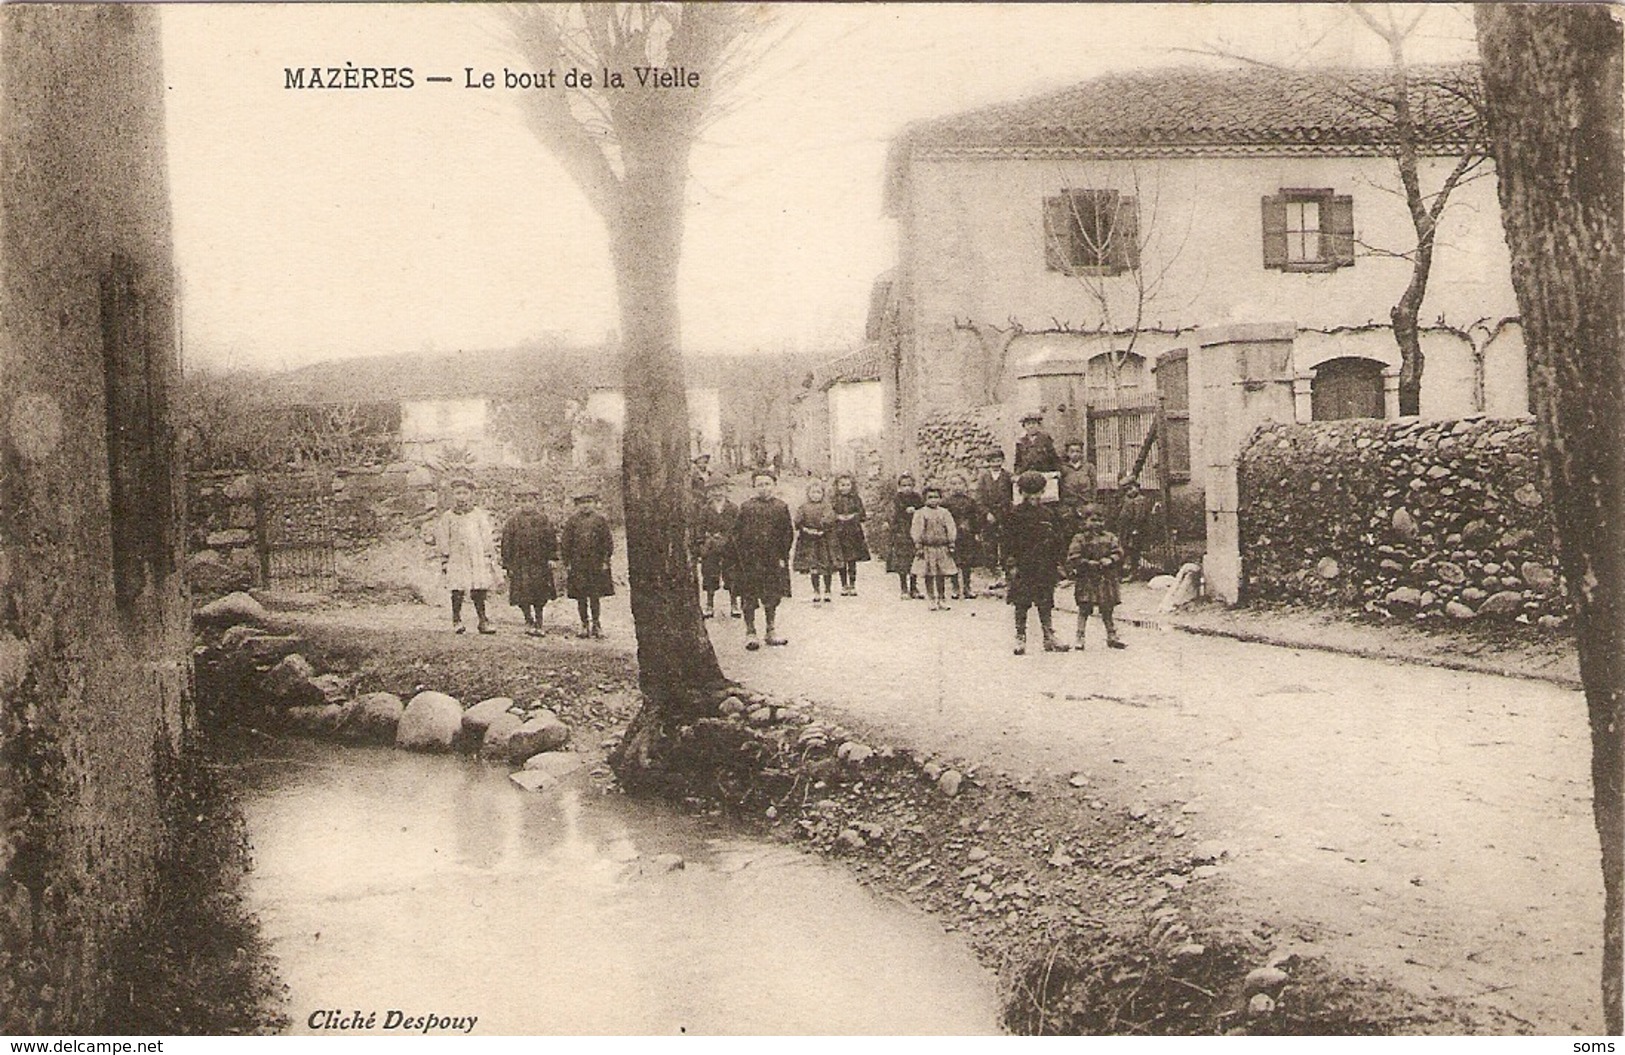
x=1349, y=387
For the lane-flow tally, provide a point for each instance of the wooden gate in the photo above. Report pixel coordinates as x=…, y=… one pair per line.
x=295, y=532
x=1125, y=439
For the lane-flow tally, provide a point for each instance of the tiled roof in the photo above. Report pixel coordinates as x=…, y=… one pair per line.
x=861, y=365
x=1187, y=106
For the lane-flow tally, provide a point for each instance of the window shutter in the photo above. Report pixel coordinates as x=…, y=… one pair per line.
x=1125, y=239
x=1337, y=230
x=1057, y=234
x=1274, y=213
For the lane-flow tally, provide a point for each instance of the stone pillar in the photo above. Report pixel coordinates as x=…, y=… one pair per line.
x=1303, y=403
x=1240, y=377
x=1390, y=392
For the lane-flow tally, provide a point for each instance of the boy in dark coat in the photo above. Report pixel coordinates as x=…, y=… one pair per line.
x=995, y=494
x=529, y=547
x=1032, y=555
x=713, y=539
x=1095, y=559
x=968, y=531
x=900, y=544
x=763, y=535
x=586, y=547
x=1035, y=448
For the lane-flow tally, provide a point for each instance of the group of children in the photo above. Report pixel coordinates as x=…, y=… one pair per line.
x=471, y=565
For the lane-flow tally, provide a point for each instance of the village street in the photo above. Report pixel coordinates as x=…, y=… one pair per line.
x=1430, y=826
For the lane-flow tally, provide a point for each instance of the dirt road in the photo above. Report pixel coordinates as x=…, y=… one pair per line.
x=1432, y=827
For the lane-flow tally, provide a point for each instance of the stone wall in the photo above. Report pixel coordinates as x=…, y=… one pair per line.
x=94, y=642
x=1406, y=519
x=381, y=518
x=958, y=442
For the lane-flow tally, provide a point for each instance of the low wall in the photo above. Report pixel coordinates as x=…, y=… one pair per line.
x=1407, y=519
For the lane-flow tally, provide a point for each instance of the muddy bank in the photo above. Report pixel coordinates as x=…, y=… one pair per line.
x=1099, y=917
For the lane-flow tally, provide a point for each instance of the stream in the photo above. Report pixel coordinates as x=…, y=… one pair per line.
x=406, y=893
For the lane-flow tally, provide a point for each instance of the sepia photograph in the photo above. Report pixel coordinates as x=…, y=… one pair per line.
x=852, y=519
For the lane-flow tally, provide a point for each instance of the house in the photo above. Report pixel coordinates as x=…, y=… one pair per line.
x=1065, y=253
x=597, y=425
x=838, y=420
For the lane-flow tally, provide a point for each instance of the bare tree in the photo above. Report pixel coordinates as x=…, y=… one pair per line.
x=627, y=146
x=1553, y=87
x=1397, y=108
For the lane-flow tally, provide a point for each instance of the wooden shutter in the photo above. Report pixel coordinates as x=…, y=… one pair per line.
x=1274, y=213
x=1337, y=230
x=1057, y=233
x=1124, y=247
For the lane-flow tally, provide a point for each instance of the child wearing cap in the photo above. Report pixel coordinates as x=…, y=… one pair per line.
x=713, y=534
x=763, y=535
x=468, y=560
x=586, y=547
x=1032, y=556
x=530, y=544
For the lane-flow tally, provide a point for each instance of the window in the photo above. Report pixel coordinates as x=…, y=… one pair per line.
x=1308, y=230
x=1091, y=232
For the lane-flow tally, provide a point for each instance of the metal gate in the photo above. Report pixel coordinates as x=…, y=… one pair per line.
x=294, y=533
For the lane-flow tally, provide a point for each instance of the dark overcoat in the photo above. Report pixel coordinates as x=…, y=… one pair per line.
x=968, y=521
x=713, y=543
x=815, y=538
x=529, y=546
x=762, y=537
x=1033, y=551
x=586, y=547
x=1036, y=453
x=1095, y=560
x=900, y=545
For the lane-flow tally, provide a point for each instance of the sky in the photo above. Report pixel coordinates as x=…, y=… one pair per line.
x=321, y=225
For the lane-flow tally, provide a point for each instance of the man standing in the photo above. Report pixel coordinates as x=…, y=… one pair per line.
x=586, y=548
x=1035, y=450
x=763, y=535
x=529, y=547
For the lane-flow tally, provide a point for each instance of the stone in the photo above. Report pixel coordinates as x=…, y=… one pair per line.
x=1405, y=596
x=854, y=752
x=1328, y=568
x=1457, y=610
x=950, y=781
x=332, y=687
x=229, y=537
x=667, y=862
x=1078, y=780
x=977, y=853
x=373, y=717
x=1437, y=472
x=533, y=780
x=543, y=731
x=234, y=636
x=1209, y=853
x=932, y=770
x=1551, y=622
x=850, y=839
x=1473, y=595
x=1538, y=576
x=1528, y=495
x=1404, y=524
x=1390, y=565
x=1475, y=531
x=1262, y=979
x=233, y=608
x=731, y=706
x=1188, y=951
x=1507, y=602
x=1204, y=871
x=761, y=716
x=479, y=717
x=1260, y=1005
x=432, y=721
x=1160, y=582
x=1450, y=572
x=555, y=763
x=321, y=719
x=240, y=488
x=289, y=682
x=494, y=739
x=1429, y=598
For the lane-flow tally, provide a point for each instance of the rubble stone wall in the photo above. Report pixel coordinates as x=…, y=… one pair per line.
x=1408, y=519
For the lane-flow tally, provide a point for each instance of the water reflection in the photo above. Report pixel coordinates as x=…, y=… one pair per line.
x=423, y=884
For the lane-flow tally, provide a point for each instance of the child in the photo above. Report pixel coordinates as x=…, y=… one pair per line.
x=967, y=515
x=1032, y=554
x=713, y=533
x=995, y=491
x=763, y=534
x=900, y=546
x=848, y=545
x=933, y=533
x=815, y=528
x=529, y=547
x=468, y=560
x=1094, y=558
x=586, y=546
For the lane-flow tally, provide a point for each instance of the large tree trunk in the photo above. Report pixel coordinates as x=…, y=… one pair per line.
x=676, y=664
x=1553, y=82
